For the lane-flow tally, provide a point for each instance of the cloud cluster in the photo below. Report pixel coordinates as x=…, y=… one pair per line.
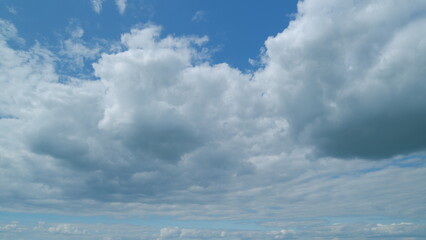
x=163, y=131
x=348, y=77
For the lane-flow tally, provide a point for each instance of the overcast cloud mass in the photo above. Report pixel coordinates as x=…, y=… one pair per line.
x=331, y=124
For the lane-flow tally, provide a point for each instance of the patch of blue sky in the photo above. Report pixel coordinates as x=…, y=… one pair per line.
x=46, y=21
x=417, y=160
x=6, y=116
x=411, y=161
x=372, y=220
x=236, y=29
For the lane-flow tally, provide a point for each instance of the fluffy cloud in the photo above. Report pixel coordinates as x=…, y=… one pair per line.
x=348, y=77
x=147, y=127
x=163, y=131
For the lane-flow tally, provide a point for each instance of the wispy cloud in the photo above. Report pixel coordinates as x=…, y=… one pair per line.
x=121, y=4
x=12, y=10
x=199, y=16
x=97, y=5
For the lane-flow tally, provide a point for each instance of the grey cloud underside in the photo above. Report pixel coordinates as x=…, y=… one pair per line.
x=350, y=83
x=162, y=126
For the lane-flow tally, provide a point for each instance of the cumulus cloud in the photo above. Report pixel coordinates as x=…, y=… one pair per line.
x=135, y=127
x=163, y=131
x=348, y=76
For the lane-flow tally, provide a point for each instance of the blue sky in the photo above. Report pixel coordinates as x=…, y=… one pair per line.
x=144, y=119
x=216, y=19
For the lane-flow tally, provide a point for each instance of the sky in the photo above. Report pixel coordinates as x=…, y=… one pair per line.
x=240, y=120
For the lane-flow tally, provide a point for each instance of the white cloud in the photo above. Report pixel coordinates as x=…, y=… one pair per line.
x=344, y=74
x=7, y=30
x=65, y=228
x=76, y=52
x=169, y=232
x=121, y=4
x=97, y=5
x=9, y=226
